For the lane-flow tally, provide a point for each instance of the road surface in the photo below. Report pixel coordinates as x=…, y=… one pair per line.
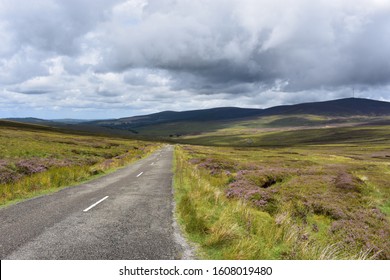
x=124, y=215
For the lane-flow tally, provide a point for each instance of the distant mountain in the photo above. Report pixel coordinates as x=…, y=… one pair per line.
x=207, y=115
x=134, y=125
x=46, y=122
x=31, y=120
x=340, y=107
x=25, y=125
x=69, y=121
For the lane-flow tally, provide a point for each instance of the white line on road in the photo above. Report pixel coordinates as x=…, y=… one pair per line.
x=139, y=174
x=152, y=163
x=93, y=205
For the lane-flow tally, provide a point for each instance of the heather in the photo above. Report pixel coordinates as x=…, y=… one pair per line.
x=292, y=202
x=34, y=160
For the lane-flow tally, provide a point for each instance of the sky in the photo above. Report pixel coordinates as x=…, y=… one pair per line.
x=97, y=59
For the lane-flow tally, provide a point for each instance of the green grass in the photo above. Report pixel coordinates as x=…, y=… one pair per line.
x=36, y=159
x=314, y=194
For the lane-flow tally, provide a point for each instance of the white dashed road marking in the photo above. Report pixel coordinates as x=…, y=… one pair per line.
x=93, y=205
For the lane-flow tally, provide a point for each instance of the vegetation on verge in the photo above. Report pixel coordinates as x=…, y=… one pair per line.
x=287, y=202
x=35, y=159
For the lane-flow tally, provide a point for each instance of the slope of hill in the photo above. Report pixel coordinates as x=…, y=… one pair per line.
x=30, y=120
x=207, y=115
x=193, y=122
x=77, y=129
x=46, y=122
x=24, y=125
x=339, y=107
x=171, y=123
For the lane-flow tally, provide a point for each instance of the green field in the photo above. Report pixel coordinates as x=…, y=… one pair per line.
x=37, y=159
x=320, y=193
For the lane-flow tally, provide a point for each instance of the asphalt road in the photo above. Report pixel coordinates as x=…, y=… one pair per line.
x=124, y=215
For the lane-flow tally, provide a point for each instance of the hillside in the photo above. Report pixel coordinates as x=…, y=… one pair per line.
x=339, y=107
x=23, y=125
x=33, y=124
x=30, y=120
x=173, y=124
x=170, y=123
x=207, y=115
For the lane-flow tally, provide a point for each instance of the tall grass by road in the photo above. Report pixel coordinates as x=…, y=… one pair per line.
x=307, y=202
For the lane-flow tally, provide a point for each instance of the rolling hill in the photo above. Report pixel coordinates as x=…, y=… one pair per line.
x=339, y=107
x=177, y=123
x=207, y=115
x=173, y=124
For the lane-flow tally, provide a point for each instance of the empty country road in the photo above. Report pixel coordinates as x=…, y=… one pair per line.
x=123, y=215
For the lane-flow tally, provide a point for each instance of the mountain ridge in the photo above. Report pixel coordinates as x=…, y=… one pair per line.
x=338, y=107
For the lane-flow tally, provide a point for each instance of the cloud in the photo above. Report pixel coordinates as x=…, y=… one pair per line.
x=53, y=25
x=139, y=56
x=309, y=44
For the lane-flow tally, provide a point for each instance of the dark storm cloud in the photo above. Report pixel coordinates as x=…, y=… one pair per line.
x=314, y=44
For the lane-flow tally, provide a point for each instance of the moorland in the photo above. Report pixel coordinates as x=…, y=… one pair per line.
x=290, y=198
x=37, y=159
x=306, y=181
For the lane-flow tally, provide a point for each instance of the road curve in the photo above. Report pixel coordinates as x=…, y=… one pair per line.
x=124, y=215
